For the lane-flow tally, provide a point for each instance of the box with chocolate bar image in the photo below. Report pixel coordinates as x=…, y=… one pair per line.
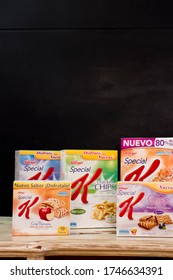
x=145, y=209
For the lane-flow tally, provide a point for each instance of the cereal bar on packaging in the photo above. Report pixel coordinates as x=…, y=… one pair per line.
x=41, y=208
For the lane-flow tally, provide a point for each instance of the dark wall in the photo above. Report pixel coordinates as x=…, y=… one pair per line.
x=82, y=74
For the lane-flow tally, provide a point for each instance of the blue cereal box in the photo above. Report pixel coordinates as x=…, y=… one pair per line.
x=37, y=165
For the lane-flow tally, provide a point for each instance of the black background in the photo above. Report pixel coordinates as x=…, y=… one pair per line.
x=81, y=75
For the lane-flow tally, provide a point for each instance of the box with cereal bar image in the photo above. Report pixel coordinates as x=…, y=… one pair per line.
x=145, y=209
x=93, y=176
x=41, y=208
x=147, y=159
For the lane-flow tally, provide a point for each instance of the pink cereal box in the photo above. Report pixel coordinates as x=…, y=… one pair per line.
x=41, y=208
x=145, y=209
x=147, y=159
x=37, y=165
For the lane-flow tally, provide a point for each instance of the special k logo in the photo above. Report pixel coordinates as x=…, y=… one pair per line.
x=27, y=161
x=81, y=185
x=76, y=162
x=137, y=175
x=130, y=153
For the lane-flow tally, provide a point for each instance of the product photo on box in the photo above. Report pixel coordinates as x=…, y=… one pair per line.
x=41, y=208
x=93, y=175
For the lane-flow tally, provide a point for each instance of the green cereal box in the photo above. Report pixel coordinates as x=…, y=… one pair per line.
x=93, y=176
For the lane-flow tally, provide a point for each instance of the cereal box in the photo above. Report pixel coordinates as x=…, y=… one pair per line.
x=41, y=208
x=147, y=159
x=145, y=209
x=93, y=177
x=37, y=165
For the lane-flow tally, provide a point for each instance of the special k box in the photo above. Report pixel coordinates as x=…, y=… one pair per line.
x=145, y=209
x=93, y=177
x=147, y=159
x=41, y=208
x=37, y=165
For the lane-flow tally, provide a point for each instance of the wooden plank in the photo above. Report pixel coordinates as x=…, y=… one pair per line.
x=99, y=244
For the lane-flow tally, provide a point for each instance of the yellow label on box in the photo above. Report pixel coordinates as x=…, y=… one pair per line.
x=49, y=155
x=62, y=230
x=94, y=154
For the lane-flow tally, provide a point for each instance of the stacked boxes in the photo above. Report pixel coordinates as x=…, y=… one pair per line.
x=41, y=203
x=54, y=188
x=93, y=177
x=145, y=193
x=41, y=208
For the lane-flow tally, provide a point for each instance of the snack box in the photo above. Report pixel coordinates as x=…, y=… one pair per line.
x=146, y=159
x=41, y=208
x=37, y=165
x=145, y=209
x=93, y=177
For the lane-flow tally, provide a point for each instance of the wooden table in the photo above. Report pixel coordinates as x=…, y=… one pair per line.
x=81, y=244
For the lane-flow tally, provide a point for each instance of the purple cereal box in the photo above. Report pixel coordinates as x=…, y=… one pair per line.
x=145, y=209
